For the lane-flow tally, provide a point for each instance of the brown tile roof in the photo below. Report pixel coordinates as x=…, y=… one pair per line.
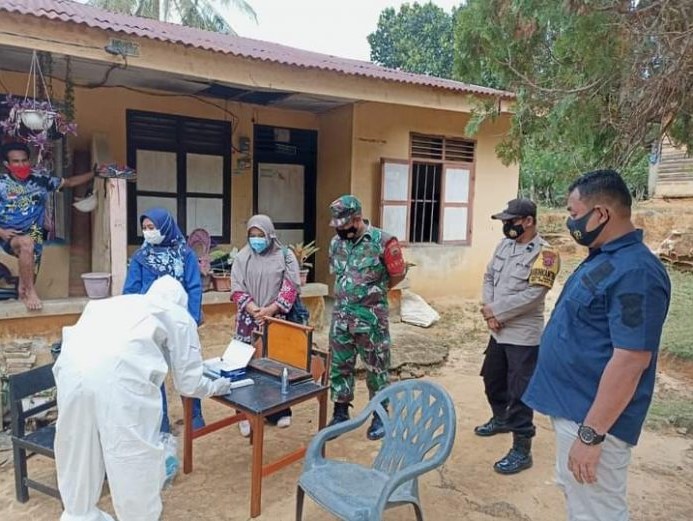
x=68, y=11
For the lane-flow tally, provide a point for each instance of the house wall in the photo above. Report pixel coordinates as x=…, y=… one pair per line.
x=351, y=141
x=335, y=153
x=383, y=131
x=104, y=110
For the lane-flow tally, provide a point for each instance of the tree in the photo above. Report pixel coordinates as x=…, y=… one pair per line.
x=418, y=38
x=201, y=14
x=598, y=81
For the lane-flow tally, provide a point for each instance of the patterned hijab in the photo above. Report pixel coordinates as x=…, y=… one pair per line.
x=261, y=274
x=167, y=258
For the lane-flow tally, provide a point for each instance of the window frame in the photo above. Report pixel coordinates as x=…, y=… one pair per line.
x=182, y=194
x=446, y=165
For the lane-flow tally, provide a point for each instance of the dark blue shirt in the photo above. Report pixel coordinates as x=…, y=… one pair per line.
x=617, y=298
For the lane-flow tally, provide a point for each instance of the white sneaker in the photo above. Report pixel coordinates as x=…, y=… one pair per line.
x=244, y=427
x=284, y=422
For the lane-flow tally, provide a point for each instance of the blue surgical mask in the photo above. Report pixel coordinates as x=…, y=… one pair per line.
x=258, y=244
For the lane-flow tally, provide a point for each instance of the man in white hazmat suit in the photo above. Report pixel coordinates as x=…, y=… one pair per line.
x=111, y=366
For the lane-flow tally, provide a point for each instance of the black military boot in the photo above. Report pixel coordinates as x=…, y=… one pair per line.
x=340, y=414
x=377, y=429
x=492, y=427
x=518, y=459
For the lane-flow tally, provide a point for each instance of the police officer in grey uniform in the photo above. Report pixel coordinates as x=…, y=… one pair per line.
x=522, y=271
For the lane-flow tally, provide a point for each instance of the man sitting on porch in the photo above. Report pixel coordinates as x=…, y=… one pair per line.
x=23, y=195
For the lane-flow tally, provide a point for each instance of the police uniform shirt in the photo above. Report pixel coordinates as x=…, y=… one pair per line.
x=617, y=298
x=515, y=286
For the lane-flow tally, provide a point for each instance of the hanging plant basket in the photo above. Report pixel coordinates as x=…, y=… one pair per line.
x=37, y=120
x=33, y=121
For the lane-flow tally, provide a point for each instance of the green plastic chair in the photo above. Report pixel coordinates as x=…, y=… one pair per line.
x=419, y=420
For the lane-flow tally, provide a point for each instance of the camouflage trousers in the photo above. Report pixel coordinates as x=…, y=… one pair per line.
x=374, y=350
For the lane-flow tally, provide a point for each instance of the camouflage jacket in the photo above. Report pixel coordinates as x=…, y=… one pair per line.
x=362, y=280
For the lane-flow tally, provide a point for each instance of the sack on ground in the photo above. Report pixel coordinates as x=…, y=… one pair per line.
x=416, y=311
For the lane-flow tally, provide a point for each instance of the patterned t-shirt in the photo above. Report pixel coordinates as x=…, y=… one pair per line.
x=23, y=203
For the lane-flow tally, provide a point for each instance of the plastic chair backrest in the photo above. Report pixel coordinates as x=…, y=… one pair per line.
x=200, y=242
x=420, y=425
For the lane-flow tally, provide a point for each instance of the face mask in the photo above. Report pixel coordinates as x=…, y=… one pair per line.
x=347, y=233
x=153, y=237
x=21, y=172
x=576, y=227
x=512, y=231
x=258, y=244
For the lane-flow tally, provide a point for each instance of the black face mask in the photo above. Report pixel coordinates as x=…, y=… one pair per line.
x=576, y=227
x=347, y=234
x=512, y=231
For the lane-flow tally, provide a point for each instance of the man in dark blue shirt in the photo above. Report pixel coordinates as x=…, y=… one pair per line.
x=597, y=357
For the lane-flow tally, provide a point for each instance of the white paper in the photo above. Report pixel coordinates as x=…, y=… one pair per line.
x=237, y=356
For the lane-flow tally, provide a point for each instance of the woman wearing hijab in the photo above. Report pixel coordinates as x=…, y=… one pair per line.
x=165, y=252
x=265, y=282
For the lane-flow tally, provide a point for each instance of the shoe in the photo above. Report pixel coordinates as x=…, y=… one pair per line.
x=284, y=422
x=244, y=427
x=491, y=428
x=519, y=457
x=377, y=430
x=340, y=414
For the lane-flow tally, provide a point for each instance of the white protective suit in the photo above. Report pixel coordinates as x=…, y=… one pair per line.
x=111, y=366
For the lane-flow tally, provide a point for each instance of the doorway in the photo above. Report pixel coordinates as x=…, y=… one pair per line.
x=284, y=179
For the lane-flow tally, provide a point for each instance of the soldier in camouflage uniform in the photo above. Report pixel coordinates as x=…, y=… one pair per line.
x=367, y=262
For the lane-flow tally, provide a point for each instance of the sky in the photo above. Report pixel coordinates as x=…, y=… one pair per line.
x=325, y=26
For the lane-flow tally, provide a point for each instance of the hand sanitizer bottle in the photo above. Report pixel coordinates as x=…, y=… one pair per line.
x=285, y=381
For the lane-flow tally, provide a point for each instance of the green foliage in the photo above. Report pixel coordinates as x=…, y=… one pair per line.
x=303, y=252
x=597, y=81
x=418, y=38
x=676, y=338
x=591, y=77
x=201, y=14
x=673, y=410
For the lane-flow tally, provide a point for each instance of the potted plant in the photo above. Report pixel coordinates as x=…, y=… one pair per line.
x=303, y=252
x=220, y=262
x=33, y=121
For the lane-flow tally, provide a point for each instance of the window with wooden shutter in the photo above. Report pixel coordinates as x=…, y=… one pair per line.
x=183, y=165
x=428, y=199
x=395, y=199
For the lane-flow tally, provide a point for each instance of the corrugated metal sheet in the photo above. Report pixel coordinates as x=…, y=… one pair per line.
x=73, y=12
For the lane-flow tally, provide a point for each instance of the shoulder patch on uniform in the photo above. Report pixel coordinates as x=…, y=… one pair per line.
x=545, y=267
x=632, y=313
x=394, y=260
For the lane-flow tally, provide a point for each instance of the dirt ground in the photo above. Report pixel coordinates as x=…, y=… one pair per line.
x=661, y=476
x=465, y=488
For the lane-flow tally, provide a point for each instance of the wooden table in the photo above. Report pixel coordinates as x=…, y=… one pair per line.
x=255, y=403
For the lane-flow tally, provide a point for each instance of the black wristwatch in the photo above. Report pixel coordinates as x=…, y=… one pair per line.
x=589, y=436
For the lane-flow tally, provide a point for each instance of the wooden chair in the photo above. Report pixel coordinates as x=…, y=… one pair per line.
x=292, y=344
x=41, y=441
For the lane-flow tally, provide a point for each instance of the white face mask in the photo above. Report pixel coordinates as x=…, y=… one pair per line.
x=153, y=237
